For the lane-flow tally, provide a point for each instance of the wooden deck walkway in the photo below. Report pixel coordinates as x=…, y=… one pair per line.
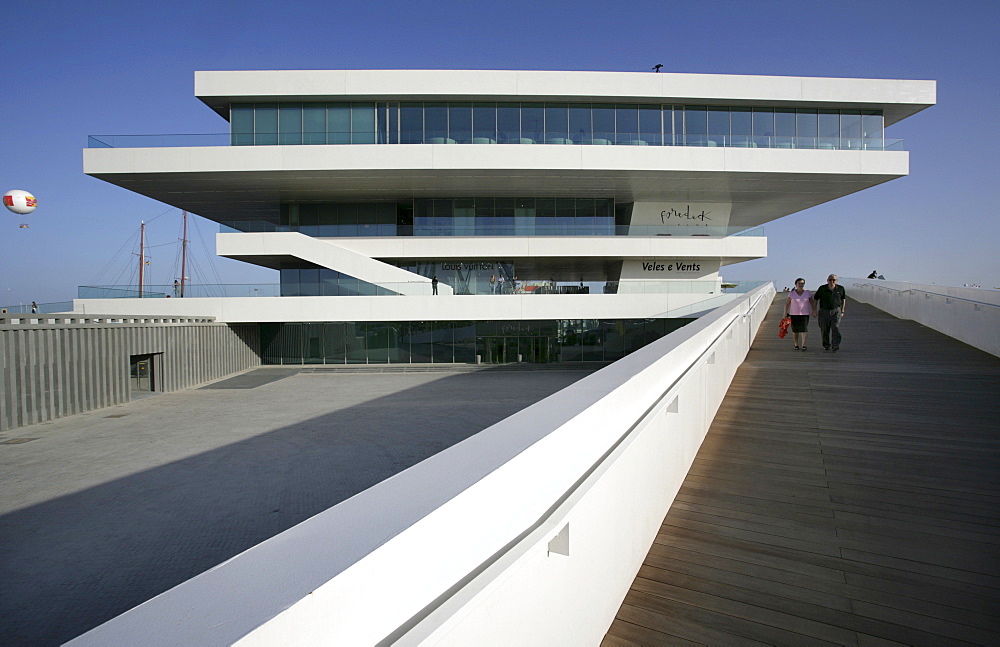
x=848, y=498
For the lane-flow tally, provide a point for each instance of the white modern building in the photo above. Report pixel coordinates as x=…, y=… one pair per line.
x=565, y=215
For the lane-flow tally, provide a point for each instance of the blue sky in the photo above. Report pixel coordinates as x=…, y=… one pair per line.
x=75, y=69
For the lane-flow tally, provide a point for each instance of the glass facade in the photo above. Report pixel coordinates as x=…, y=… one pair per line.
x=452, y=217
x=628, y=124
x=307, y=280
x=490, y=342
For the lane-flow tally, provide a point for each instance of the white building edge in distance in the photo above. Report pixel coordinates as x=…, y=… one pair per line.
x=566, y=215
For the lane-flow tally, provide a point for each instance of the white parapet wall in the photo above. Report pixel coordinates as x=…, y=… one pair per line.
x=528, y=533
x=970, y=315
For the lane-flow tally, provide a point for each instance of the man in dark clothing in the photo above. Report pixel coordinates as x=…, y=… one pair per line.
x=830, y=301
x=434, y=284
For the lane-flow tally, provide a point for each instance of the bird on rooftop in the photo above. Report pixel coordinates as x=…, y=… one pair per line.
x=656, y=68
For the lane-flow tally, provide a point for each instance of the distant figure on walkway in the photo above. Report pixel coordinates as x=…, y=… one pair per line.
x=434, y=284
x=830, y=302
x=34, y=307
x=873, y=275
x=800, y=306
x=493, y=283
x=500, y=281
x=177, y=288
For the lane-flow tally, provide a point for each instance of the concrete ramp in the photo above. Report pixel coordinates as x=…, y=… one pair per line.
x=326, y=254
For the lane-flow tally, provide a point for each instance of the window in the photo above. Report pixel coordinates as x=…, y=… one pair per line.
x=627, y=124
x=829, y=129
x=872, y=130
x=241, y=124
x=411, y=123
x=509, y=123
x=556, y=123
x=314, y=123
x=741, y=124
x=651, y=125
x=293, y=123
x=266, y=124
x=806, y=129
x=436, y=123
x=362, y=123
x=784, y=128
x=484, y=123
x=718, y=126
x=695, y=126
x=850, y=129
x=338, y=123
x=460, y=122
x=290, y=123
x=603, y=116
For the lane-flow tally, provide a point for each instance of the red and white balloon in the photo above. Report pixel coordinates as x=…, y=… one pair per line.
x=20, y=202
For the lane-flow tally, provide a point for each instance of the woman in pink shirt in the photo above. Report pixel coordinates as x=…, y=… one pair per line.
x=800, y=306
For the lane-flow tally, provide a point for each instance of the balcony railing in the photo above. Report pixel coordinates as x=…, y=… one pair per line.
x=355, y=287
x=707, y=141
x=39, y=308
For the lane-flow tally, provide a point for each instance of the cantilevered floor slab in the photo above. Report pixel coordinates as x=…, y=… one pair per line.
x=848, y=498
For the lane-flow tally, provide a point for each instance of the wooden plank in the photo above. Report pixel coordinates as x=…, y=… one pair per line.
x=848, y=497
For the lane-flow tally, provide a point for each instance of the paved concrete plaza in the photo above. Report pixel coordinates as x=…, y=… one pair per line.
x=104, y=510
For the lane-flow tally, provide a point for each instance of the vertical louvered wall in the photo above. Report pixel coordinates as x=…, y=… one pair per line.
x=51, y=371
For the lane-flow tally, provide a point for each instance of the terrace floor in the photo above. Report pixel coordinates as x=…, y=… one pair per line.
x=848, y=498
x=102, y=511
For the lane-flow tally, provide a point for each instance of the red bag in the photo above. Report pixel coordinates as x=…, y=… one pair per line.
x=783, y=327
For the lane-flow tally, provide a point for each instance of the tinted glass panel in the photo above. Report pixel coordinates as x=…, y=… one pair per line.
x=266, y=124
x=604, y=123
x=695, y=126
x=850, y=128
x=556, y=122
x=532, y=122
x=338, y=123
x=241, y=124
x=411, y=123
x=626, y=124
x=290, y=124
x=435, y=123
x=460, y=122
x=718, y=126
x=484, y=123
x=362, y=123
x=314, y=123
x=508, y=123
x=872, y=129
x=650, y=126
x=763, y=124
x=784, y=128
x=579, y=124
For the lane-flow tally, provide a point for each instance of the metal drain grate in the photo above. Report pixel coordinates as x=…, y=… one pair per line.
x=117, y=415
x=17, y=441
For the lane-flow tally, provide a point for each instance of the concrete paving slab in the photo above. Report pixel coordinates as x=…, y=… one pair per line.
x=109, y=508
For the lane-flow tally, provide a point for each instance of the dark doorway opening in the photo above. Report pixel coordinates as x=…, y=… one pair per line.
x=142, y=372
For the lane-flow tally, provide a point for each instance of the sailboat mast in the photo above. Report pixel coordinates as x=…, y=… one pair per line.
x=142, y=255
x=184, y=247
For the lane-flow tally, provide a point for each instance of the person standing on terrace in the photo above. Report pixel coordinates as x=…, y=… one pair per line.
x=800, y=306
x=830, y=301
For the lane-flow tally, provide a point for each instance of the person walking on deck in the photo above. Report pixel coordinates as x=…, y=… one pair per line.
x=800, y=306
x=830, y=302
